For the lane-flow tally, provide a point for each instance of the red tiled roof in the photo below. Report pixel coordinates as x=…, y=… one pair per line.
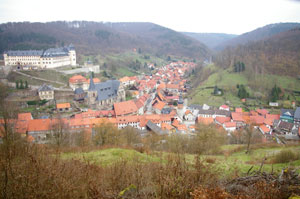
x=257, y=119
x=230, y=124
x=273, y=116
x=95, y=80
x=205, y=120
x=222, y=120
x=159, y=105
x=238, y=110
x=63, y=105
x=126, y=107
x=166, y=126
x=237, y=117
x=224, y=106
x=77, y=79
x=264, y=128
x=39, y=125
x=262, y=111
x=24, y=116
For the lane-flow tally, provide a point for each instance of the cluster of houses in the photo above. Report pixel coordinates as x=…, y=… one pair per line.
x=158, y=105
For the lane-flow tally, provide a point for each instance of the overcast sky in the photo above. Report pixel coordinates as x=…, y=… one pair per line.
x=224, y=16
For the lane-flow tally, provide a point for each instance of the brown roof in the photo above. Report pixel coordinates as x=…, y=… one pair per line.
x=205, y=120
x=126, y=107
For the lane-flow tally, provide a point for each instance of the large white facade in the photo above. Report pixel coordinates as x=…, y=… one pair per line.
x=50, y=58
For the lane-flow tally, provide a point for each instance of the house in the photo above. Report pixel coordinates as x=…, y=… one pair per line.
x=79, y=94
x=224, y=107
x=63, y=107
x=230, y=126
x=124, y=121
x=46, y=92
x=297, y=116
x=287, y=115
x=21, y=124
x=188, y=115
x=264, y=129
x=205, y=120
x=237, y=117
x=158, y=106
x=284, y=127
x=125, y=108
x=39, y=129
x=222, y=120
x=262, y=112
x=125, y=81
x=154, y=128
x=103, y=95
x=78, y=81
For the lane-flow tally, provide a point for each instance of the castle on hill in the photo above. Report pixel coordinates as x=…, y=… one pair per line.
x=50, y=58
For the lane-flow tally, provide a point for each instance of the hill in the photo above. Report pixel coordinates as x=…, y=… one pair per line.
x=258, y=34
x=211, y=40
x=93, y=38
x=277, y=54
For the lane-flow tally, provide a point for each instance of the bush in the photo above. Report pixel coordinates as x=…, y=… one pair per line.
x=285, y=156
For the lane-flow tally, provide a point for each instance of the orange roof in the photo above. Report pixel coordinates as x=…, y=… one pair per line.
x=126, y=107
x=262, y=111
x=21, y=126
x=257, y=119
x=273, y=116
x=264, y=128
x=166, y=126
x=127, y=119
x=77, y=79
x=159, y=105
x=187, y=112
x=95, y=80
x=80, y=122
x=238, y=110
x=205, y=120
x=39, y=125
x=24, y=116
x=175, y=123
x=222, y=120
x=124, y=79
x=230, y=124
x=172, y=86
x=63, y=105
x=237, y=117
x=268, y=121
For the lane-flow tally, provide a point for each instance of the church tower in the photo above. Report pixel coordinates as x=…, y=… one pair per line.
x=92, y=92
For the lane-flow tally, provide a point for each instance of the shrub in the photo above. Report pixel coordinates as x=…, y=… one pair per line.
x=285, y=156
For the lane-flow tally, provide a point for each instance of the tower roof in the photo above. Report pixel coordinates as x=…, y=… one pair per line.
x=92, y=84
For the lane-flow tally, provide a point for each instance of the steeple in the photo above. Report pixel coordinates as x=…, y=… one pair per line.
x=92, y=85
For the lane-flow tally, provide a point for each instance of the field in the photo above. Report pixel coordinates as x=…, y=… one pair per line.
x=228, y=81
x=231, y=162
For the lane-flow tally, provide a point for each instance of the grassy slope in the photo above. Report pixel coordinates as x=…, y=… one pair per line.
x=109, y=156
x=228, y=81
x=236, y=162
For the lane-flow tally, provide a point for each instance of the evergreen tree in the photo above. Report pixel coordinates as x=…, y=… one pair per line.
x=26, y=84
x=169, y=58
x=216, y=90
x=275, y=93
x=21, y=84
x=17, y=84
x=242, y=93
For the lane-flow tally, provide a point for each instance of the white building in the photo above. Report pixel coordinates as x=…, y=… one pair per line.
x=50, y=58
